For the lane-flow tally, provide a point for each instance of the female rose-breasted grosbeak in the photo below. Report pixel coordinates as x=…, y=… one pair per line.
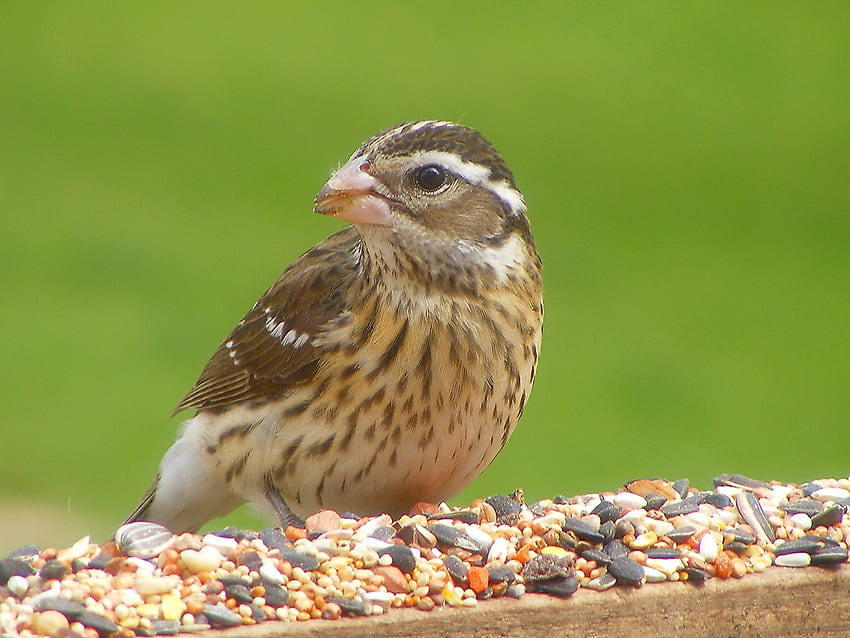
x=387, y=365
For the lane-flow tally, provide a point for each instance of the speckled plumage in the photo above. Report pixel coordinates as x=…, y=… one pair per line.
x=387, y=365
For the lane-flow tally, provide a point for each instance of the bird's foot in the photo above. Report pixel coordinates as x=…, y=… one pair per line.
x=285, y=515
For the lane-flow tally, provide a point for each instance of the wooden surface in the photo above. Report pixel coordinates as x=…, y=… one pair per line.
x=778, y=602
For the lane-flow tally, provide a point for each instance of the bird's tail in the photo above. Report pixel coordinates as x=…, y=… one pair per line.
x=140, y=513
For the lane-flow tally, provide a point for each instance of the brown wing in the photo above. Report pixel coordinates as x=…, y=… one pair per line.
x=271, y=349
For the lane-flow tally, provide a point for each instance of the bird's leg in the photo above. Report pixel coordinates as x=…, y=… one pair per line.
x=284, y=514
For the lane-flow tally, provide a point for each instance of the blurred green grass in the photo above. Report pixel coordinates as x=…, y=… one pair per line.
x=686, y=167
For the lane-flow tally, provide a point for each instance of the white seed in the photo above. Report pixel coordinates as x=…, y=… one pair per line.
x=802, y=520
x=205, y=559
x=481, y=537
x=667, y=566
x=708, y=547
x=226, y=546
x=271, y=574
x=498, y=550
x=653, y=575
x=630, y=501
x=382, y=598
x=830, y=494
x=700, y=519
x=149, y=585
x=18, y=585
x=661, y=528
x=797, y=559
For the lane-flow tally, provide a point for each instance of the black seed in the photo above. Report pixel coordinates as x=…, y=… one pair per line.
x=680, y=508
x=695, y=576
x=402, y=557
x=654, y=501
x=457, y=569
x=735, y=546
x=275, y=595
x=251, y=560
x=808, y=544
x=221, y=616
x=608, y=529
x=79, y=564
x=681, y=486
x=383, y=533
x=681, y=534
x=832, y=515
x=27, y=553
x=67, y=608
x=624, y=527
x=500, y=575
x=545, y=567
x=350, y=607
x=739, y=536
x=537, y=509
x=807, y=506
x=663, y=552
x=810, y=488
x=738, y=480
x=464, y=516
x=240, y=593
x=53, y=569
x=607, y=511
x=508, y=519
x=560, y=500
x=581, y=529
x=231, y=579
x=597, y=555
x=99, y=562
x=718, y=500
x=257, y=614
x=14, y=567
x=100, y=623
x=616, y=549
x=415, y=534
x=299, y=559
x=560, y=538
x=503, y=505
x=274, y=538
x=560, y=586
x=235, y=533
x=515, y=591
x=627, y=571
x=829, y=556
x=484, y=595
x=448, y=535
x=751, y=511
x=165, y=627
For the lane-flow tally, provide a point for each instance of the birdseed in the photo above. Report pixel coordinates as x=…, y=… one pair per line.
x=154, y=583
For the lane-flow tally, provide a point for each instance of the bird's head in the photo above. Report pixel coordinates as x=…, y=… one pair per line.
x=434, y=194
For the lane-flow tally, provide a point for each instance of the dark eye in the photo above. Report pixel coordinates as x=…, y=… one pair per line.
x=431, y=178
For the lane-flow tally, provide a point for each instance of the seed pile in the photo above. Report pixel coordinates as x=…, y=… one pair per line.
x=150, y=582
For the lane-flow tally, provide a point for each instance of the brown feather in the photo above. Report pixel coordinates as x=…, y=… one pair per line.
x=306, y=298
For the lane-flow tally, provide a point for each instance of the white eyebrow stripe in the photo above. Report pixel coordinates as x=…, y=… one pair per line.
x=475, y=174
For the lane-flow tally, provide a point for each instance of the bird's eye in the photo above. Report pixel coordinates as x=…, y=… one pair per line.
x=431, y=178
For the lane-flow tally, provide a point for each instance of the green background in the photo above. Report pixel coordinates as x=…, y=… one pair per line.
x=686, y=168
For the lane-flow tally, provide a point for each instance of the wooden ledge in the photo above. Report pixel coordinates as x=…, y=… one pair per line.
x=778, y=602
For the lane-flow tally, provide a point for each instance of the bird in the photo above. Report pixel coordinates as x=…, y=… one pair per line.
x=388, y=364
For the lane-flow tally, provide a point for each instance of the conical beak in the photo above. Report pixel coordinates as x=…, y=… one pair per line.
x=352, y=194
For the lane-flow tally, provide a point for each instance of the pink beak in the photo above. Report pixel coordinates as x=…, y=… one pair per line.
x=352, y=194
